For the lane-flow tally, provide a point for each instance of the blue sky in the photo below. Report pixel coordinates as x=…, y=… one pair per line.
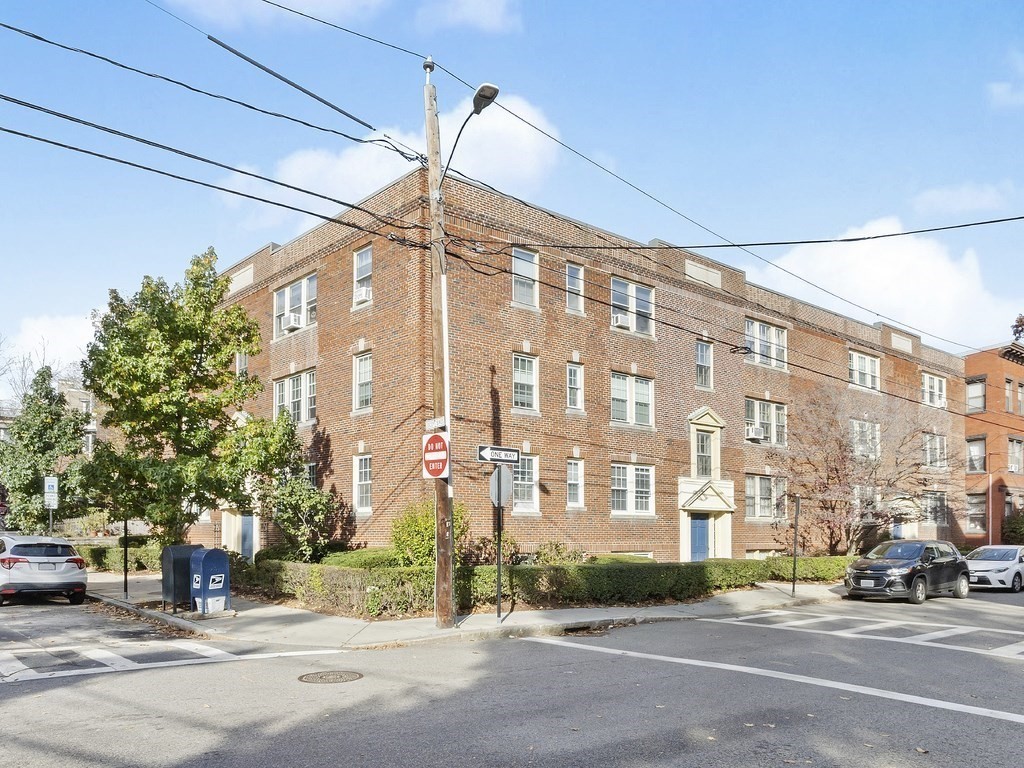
x=760, y=121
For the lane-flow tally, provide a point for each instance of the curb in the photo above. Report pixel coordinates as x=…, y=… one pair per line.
x=158, y=616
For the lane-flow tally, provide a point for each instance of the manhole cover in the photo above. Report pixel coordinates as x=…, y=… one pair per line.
x=330, y=677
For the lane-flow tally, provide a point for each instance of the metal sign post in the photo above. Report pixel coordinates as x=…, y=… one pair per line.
x=501, y=492
x=796, y=529
x=50, y=496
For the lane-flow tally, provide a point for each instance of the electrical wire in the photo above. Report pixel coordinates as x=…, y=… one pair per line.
x=139, y=166
x=387, y=221
x=384, y=143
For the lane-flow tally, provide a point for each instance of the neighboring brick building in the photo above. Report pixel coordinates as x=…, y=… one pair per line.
x=994, y=432
x=619, y=371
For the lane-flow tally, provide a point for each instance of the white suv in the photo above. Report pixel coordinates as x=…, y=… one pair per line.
x=41, y=565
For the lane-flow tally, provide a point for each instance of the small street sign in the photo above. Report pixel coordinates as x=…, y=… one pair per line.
x=49, y=492
x=435, y=456
x=496, y=454
x=439, y=423
x=501, y=485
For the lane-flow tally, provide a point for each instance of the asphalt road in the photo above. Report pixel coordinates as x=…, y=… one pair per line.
x=862, y=684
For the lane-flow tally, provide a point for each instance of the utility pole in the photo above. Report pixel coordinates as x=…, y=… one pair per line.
x=444, y=609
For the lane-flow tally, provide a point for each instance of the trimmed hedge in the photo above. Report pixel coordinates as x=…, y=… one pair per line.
x=145, y=558
x=390, y=591
x=378, y=557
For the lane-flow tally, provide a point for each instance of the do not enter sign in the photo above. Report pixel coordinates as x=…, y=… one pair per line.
x=435, y=456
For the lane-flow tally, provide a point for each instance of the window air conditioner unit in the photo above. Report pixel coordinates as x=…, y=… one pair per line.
x=362, y=295
x=620, y=321
x=1014, y=467
x=755, y=433
x=291, y=322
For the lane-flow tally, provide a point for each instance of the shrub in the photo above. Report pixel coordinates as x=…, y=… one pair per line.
x=145, y=558
x=556, y=553
x=134, y=540
x=829, y=568
x=482, y=551
x=282, y=551
x=412, y=533
x=379, y=557
x=1013, y=529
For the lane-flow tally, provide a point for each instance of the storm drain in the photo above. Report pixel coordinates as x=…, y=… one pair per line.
x=330, y=677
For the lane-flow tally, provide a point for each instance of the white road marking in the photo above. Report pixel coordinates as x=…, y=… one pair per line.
x=939, y=634
x=869, y=627
x=203, y=650
x=1009, y=650
x=108, y=659
x=881, y=693
x=815, y=620
x=13, y=671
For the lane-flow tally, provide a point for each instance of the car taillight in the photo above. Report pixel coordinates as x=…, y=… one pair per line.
x=77, y=561
x=10, y=562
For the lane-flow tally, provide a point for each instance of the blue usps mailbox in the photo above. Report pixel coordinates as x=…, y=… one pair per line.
x=210, y=581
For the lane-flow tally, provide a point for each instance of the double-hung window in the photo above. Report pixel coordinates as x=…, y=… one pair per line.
x=1015, y=455
x=976, y=454
x=362, y=484
x=524, y=382
x=574, y=483
x=632, y=487
x=525, y=486
x=524, y=278
x=867, y=501
x=934, y=450
x=770, y=418
x=704, y=379
x=863, y=370
x=362, y=378
x=632, y=307
x=976, y=395
x=866, y=438
x=933, y=390
x=934, y=509
x=574, y=288
x=362, y=272
x=574, y=386
x=767, y=344
x=977, y=513
x=632, y=400
x=295, y=306
x=703, y=452
x=296, y=396
x=765, y=497
x=1009, y=395
x=241, y=364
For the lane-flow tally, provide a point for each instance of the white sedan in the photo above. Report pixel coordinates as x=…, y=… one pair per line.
x=998, y=566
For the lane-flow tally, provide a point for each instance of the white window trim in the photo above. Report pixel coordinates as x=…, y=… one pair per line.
x=777, y=344
x=581, y=503
x=534, y=385
x=933, y=390
x=630, y=308
x=874, y=444
x=356, y=407
x=984, y=454
x=631, y=401
x=854, y=371
x=580, y=407
x=366, y=281
x=778, y=487
x=983, y=383
x=631, y=497
x=774, y=421
x=530, y=507
x=933, y=440
x=283, y=389
x=529, y=263
x=571, y=293
x=361, y=511
x=281, y=296
x=710, y=365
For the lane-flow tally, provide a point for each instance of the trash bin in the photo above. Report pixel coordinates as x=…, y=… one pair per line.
x=211, y=577
x=175, y=574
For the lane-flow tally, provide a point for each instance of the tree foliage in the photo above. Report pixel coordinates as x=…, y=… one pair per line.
x=161, y=363
x=852, y=492
x=44, y=439
x=1018, y=327
x=413, y=532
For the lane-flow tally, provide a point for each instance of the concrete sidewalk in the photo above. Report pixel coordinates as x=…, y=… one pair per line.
x=265, y=623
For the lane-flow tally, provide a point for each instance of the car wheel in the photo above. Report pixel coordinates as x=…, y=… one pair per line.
x=76, y=598
x=918, y=591
x=1017, y=583
x=962, y=586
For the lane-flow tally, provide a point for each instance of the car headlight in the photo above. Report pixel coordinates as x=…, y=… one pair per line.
x=849, y=570
x=898, y=571
x=1001, y=570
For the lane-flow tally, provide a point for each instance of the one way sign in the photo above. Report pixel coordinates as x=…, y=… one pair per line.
x=496, y=454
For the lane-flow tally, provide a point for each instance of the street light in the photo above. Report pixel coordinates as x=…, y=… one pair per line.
x=444, y=609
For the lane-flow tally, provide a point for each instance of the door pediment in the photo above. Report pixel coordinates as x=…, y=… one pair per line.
x=709, y=497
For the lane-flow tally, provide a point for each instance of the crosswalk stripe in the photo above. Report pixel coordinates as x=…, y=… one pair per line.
x=951, y=632
x=815, y=620
x=203, y=650
x=10, y=666
x=869, y=627
x=108, y=659
x=1015, y=649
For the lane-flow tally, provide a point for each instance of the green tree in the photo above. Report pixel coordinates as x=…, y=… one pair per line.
x=161, y=363
x=45, y=439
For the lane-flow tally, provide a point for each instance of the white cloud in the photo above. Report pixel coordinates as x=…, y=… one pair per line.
x=913, y=279
x=495, y=148
x=234, y=13
x=963, y=198
x=55, y=340
x=496, y=16
x=1009, y=94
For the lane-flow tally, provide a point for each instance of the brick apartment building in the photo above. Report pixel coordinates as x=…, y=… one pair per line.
x=647, y=388
x=994, y=428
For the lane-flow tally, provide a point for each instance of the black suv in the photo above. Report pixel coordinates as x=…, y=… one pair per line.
x=910, y=568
